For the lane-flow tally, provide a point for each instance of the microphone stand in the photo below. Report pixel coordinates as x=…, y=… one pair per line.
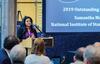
x=37, y=28
x=42, y=34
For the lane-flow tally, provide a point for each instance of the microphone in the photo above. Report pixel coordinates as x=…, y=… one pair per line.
x=37, y=27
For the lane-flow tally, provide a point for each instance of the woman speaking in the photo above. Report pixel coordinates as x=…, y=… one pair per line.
x=26, y=29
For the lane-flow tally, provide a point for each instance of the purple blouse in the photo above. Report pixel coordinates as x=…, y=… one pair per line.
x=28, y=34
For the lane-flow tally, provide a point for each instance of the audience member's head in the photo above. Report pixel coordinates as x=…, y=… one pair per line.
x=38, y=57
x=10, y=41
x=39, y=46
x=92, y=55
x=18, y=53
x=79, y=54
x=96, y=44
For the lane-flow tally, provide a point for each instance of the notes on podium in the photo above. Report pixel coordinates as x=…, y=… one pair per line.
x=27, y=43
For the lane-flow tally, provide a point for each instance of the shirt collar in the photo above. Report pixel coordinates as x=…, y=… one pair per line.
x=7, y=52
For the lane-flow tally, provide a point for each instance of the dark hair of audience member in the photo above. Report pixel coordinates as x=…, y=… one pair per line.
x=79, y=53
x=79, y=56
x=10, y=41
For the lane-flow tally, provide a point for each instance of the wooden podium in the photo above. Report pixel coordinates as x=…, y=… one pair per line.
x=49, y=41
x=28, y=43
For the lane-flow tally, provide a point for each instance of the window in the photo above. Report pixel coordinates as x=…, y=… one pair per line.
x=32, y=8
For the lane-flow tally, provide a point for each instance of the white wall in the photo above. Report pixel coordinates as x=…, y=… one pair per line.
x=8, y=24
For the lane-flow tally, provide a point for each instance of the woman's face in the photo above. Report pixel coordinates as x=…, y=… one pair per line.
x=28, y=22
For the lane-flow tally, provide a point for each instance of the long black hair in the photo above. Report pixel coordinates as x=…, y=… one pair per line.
x=23, y=23
x=22, y=30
